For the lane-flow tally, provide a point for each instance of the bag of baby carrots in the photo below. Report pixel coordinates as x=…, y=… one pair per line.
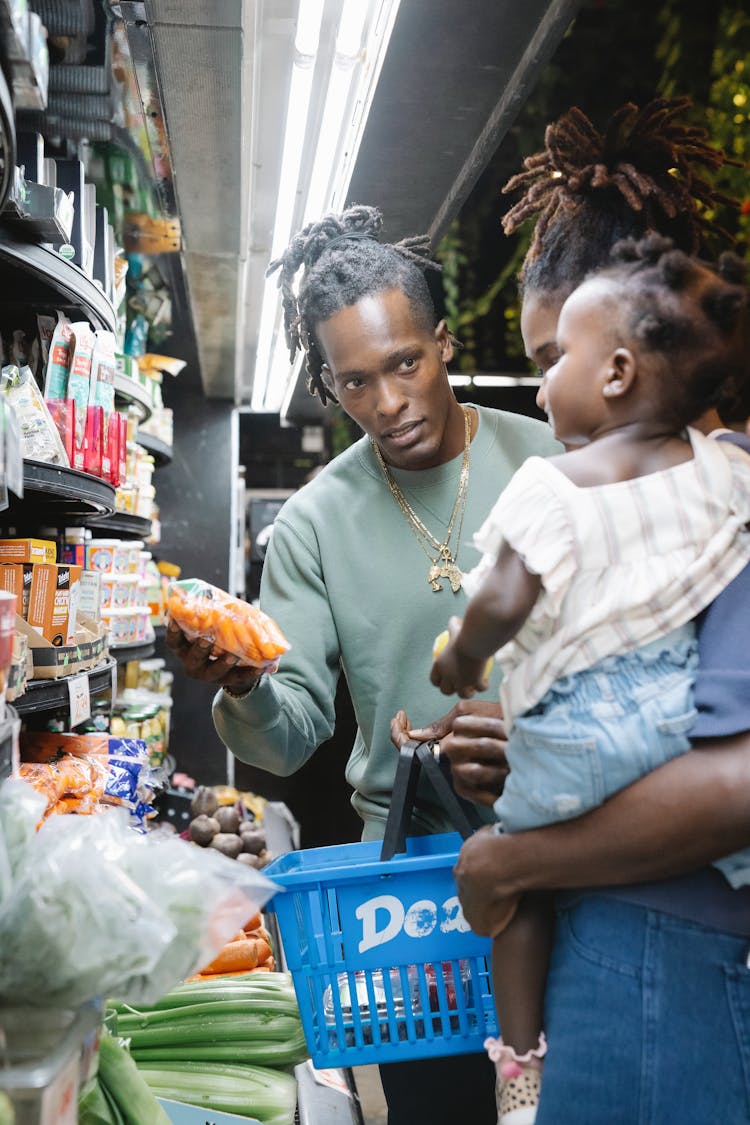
x=235, y=627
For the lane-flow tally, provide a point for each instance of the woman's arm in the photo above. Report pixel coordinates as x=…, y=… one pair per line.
x=683, y=816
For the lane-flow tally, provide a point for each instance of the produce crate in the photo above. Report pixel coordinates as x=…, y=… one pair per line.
x=384, y=965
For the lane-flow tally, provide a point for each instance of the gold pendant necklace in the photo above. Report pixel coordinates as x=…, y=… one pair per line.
x=442, y=558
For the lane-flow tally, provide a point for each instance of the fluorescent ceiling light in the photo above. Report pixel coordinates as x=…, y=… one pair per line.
x=459, y=380
x=307, y=36
x=347, y=61
x=351, y=87
x=506, y=381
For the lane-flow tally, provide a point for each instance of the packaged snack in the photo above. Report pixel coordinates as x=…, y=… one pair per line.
x=49, y=600
x=234, y=626
x=40, y=438
x=16, y=579
x=101, y=405
x=58, y=361
x=28, y=550
x=79, y=385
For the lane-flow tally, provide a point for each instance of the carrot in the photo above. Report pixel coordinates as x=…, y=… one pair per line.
x=236, y=956
x=264, y=951
x=253, y=923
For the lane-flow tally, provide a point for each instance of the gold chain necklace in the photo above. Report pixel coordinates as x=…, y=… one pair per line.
x=442, y=558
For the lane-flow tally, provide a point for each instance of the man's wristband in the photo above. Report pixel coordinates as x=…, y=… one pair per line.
x=243, y=694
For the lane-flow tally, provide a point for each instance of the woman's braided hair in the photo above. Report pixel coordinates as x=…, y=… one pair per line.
x=690, y=317
x=590, y=189
x=344, y=262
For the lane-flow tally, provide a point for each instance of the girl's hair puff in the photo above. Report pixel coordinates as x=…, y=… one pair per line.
x=691, y=317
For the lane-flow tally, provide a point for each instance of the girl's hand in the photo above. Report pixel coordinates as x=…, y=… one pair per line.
x=455, y=673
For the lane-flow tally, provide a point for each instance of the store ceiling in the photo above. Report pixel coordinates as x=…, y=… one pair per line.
x=455, y=75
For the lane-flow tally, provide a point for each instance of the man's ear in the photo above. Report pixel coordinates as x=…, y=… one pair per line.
x=444, y=342
x=621, y=374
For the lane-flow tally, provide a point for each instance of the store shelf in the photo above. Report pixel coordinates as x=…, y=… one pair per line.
x=7, y=140
x=130, y=393
x=48, y=695
x=121, y=525
x=159, y=450
x=141, y=650
x=52, y=281
x=57, y=497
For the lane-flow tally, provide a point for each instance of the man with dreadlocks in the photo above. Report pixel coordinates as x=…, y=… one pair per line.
x=364, y=565
x=647, y=1009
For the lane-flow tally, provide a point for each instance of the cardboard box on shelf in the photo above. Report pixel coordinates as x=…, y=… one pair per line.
x=16, y=579
x=21, y=667
x=28, y=550
x=49, y=600
x=53, y=663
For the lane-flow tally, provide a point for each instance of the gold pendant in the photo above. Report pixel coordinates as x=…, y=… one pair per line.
x=448, y=570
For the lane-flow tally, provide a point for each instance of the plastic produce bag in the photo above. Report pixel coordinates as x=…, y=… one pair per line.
x=235, y=627
x=104, y=910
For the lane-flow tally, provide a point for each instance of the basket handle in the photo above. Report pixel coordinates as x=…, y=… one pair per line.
x=412, y=757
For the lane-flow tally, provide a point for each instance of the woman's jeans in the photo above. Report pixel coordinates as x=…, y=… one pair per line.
x=647, y=1019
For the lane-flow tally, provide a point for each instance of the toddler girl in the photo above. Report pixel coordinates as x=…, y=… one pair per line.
x=595, y=563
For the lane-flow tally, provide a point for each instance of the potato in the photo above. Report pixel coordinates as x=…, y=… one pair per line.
x=228, y=843
x=228, y=818
x=203, y=829
x=253, y=842
x=204, y=801
x=248, y=860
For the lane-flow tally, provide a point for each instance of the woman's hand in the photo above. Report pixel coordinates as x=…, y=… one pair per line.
x=472, y=737
x=198, y=663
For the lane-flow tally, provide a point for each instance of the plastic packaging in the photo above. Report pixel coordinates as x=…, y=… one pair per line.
x=58, y=359
x=235, y=627
x=79, y=385
x=109, y=911
x=39, y=434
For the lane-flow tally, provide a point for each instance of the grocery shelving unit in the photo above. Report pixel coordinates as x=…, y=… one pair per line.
x=121, y=525
x=52, y=695
x=139, y=650
x=58, y=497
x=130, y=393
x=159, y=450
x=52, y=281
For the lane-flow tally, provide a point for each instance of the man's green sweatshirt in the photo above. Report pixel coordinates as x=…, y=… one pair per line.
x=346, y=580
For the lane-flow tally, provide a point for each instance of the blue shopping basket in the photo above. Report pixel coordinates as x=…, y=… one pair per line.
x=384, y=965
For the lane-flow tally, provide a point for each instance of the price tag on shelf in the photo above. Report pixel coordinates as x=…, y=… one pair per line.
x=80, y=699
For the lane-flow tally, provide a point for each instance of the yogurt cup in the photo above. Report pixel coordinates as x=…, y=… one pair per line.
x=143, y=630
x=134, y=548
x=144, y=558
x=119, y=591
x=122, y=625
x=108, y=556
